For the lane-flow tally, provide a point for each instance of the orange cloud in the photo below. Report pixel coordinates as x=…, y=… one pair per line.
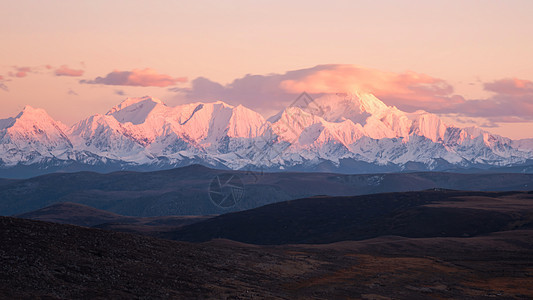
x=136, y=77
x=64, y=70
x=409, y=90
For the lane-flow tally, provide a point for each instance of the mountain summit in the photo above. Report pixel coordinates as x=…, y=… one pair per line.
x=30, y=137
x=135, y=110
x=355, y=133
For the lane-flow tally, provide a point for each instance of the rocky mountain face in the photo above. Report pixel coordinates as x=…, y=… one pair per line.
x=353, y=133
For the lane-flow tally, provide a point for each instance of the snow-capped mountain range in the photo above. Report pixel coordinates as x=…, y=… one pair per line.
x=353, y=133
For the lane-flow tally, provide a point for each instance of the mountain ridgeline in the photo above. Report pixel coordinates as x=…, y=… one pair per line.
x=186, y=190
x=353, y=133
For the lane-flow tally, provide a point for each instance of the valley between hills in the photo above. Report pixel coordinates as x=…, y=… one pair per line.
x=432, y=244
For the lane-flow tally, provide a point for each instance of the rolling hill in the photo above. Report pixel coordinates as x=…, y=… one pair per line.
x=59, y=261
x=320, y=220
x=185, y=191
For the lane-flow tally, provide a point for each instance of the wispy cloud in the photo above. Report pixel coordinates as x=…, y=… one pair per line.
x=64, y=70
x=20, y=72
x=136, y=77
x=2, y=84
x=72, y=92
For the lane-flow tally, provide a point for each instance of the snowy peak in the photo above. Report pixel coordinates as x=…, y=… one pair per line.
x=152, y=129
x=290, y=124
x=105, y=136
x=133, y=101
x=330, y=129
x=369, y=103
x=245, y=123
x=488, y=138
x=34, y=119
x=340, y=107
x=30, y=136
x=430, y=126
x=89, y=126
x=378, y=120
x=34, y=114
x=216, y=120
x=135, y=110
x=349, y=106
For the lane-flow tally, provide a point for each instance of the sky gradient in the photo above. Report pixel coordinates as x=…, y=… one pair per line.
x=469, y=61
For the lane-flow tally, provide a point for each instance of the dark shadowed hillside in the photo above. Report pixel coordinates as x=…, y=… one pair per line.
x=184, y=191
x=433, y=213
x=82, y=215
x=75, y=214
x=56, y=261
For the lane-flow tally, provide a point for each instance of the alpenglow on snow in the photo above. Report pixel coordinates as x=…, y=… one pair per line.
x=355, y=133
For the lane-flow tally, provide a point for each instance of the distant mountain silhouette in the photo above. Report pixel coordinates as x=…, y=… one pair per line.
x=185, y=191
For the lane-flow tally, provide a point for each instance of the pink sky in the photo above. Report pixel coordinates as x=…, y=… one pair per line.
x=468, y=61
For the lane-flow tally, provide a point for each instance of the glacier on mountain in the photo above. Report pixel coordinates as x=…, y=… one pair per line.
x=353, y=133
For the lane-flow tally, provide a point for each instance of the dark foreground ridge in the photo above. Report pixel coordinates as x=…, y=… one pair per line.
x=318, y=220
x=57, y=261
